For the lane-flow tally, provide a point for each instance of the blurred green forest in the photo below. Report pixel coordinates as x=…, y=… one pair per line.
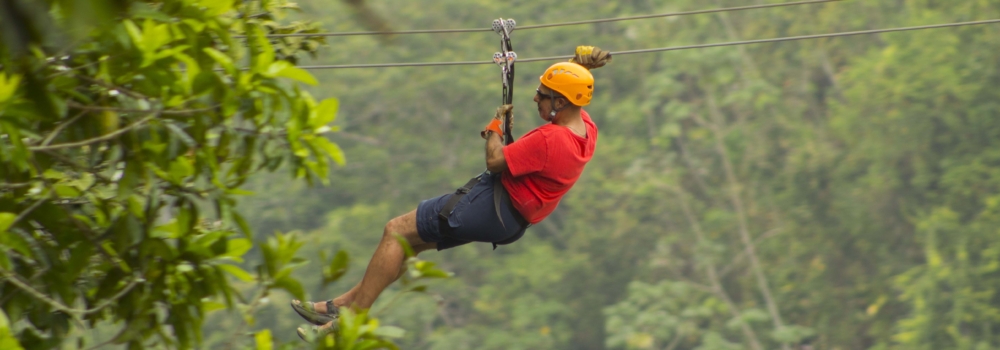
x=824, y=194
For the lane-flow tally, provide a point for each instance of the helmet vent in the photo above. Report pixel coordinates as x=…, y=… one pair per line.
x=579, y=96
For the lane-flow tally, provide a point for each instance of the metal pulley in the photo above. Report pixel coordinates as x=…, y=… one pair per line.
x=505, y=58
x=500, y=26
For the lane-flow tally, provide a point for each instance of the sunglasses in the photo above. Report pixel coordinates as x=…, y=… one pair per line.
x=541, y=95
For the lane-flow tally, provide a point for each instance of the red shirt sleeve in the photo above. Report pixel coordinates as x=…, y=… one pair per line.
x=526, y=155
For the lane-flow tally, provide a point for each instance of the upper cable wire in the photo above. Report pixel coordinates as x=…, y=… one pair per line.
x=662, y=49
x=603, y=20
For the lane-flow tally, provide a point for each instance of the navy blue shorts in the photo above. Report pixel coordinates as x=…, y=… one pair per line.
x=473, y=220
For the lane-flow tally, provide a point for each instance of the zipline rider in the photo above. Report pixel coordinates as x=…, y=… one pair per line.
x=530, y=176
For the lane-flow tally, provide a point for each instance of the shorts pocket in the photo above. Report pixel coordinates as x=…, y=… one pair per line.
x=477, y=191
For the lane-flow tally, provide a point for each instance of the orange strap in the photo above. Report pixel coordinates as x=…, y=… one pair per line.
x=493, y=126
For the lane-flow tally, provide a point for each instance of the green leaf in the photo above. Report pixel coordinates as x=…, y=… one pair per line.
x=435, y=273
x=236, y=272
x=134, y=33
x=154, y=146
x=224, y=60
x=263, y=340
x=181, y=168
x=242, y=223
x=209, y=306
x=261, y=50
x=214, y=8
x=406, y=245
x=284, y=69
x=389, y=332
x=292, y=286
x=8, y=86
x=173, y=52
x=239, y=192
x=195, y=25
x=749, y=316
x=183, y=135
x=7, y=339
x=6, y=219
x=237, y=247
x=792, y=333
x=337, y=267
x=16, y=242
x=67, y=191
x=332, y=149
x=325, y=113
x=53, y=174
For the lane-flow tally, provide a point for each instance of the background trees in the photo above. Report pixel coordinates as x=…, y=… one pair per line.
x=838, y=192
x=856, y=168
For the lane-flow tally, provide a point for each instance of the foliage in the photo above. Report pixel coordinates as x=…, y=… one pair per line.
x=838, y=192
x=127, y=131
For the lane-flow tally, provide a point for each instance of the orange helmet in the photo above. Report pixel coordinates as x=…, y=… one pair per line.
x=571, y=80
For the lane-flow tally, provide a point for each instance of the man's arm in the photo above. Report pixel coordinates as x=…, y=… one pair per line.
x=495, y=161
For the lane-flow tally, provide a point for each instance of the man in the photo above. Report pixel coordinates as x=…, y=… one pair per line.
x=525, y=182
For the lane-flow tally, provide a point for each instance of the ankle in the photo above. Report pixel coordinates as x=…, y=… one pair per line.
x=341, y=302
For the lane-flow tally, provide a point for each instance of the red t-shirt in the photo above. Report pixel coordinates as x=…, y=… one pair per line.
x=544, y=164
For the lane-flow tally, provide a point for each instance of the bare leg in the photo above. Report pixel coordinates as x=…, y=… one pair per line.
x=345, y=299
x=386, y=264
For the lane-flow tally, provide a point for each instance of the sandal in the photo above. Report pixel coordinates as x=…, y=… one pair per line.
x=308, y=312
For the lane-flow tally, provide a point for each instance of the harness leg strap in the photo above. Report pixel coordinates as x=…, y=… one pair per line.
x=449, y=206
x=498, y=191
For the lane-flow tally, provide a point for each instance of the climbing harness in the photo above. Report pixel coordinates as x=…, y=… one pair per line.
x=505, y=58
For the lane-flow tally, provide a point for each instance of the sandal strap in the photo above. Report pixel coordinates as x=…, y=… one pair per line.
x=330, y=309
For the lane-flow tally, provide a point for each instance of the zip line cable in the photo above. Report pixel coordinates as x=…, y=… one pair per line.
x=603, y=20
x=662, y=49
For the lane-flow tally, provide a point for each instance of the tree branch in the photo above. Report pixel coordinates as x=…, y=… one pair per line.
x=59, y=306
x=105, y=84
x=90, y=170
x=677, y=341
x=16, y=185
x=261, y=293
x=62, y=126
x=742, y=255
x=737, y=203
x=25, y=213
x=132, y=110
x=86, y=230
x=106, y=137
x=713, y=277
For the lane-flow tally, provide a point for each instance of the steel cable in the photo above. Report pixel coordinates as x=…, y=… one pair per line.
x=603, y=20
x=662, y=49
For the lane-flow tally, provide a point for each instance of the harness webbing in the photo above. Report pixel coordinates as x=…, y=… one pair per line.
x=505, y=59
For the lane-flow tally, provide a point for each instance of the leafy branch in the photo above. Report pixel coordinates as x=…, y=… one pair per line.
x=25, y=287
x=106, y=137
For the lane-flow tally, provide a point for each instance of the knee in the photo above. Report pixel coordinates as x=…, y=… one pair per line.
x=390, y=231
x=397, y=228
x=393, y=229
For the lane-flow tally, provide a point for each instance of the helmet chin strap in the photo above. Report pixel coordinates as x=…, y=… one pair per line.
x=554, y=111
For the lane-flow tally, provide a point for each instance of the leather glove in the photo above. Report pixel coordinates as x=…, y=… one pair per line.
x=496, y=124
x=591, y=57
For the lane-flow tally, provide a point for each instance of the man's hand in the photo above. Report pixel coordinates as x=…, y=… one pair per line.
x=495, y=161
x=495, y=125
